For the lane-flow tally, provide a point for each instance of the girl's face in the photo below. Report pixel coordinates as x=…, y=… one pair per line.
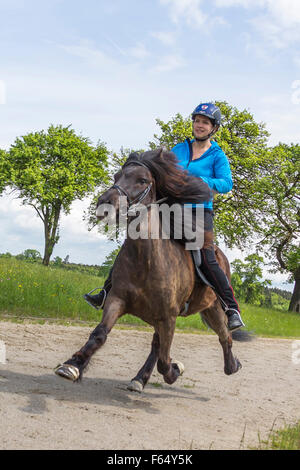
x=202, y=126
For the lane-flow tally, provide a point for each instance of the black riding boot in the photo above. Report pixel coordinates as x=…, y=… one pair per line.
x=216, y=276
x=98, y=300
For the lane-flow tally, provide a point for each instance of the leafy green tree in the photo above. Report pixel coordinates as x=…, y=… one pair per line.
x=247, y=279
x=109, y=262
x=4, y=170
x=49, y=170
x=6, y=255
x=279, y=302
x=245, y=143
x=32, y=255
x=57, y=261
x=280, y=214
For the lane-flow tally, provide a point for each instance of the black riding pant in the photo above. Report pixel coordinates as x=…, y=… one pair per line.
x=211, y=269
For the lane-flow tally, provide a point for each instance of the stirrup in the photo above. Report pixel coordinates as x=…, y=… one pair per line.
x=98, y=307
x=101, y=288
x=236, y=312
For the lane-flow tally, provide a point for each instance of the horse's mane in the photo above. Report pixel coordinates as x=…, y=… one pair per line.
x=171, y=181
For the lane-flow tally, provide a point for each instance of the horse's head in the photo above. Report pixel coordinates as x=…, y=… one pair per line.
x=150, y=175
x=134, y=182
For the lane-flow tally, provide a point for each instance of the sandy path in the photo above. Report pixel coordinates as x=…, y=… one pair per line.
x=203, y=409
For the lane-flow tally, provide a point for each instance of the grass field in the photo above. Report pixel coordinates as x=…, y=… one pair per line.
x=33, y=290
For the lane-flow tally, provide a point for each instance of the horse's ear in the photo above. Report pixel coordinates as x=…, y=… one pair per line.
x=117, y=176
x=161, y=152
x=134, y=155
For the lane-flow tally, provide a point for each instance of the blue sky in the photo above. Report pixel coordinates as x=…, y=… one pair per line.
x=110, y=68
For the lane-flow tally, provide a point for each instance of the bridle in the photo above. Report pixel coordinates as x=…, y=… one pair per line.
x=141, y=196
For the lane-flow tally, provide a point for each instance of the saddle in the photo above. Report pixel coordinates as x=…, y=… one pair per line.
x=196, y=256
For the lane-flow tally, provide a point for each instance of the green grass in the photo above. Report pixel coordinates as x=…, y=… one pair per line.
x=39, y=291
x=283, y=439
x=33, y=290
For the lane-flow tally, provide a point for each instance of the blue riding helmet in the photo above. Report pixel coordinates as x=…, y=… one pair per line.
x=209, y=110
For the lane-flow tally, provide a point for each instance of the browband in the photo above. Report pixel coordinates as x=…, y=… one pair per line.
x=136, y=163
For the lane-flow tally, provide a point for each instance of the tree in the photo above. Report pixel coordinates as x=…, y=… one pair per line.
x=49, y=170
x=66, y=260
x=109, y=262
x=247, y=279
x=280, y=214
x=245, y=143
x=4, y=170
x=57, y=261
x=32, y=255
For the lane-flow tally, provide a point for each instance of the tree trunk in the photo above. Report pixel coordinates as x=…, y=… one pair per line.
x=295, y=300
x=46, y=257
x=50, y=231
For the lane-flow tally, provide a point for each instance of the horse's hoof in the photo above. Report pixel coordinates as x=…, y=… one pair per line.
x=233, y=368
x=179, y=366
x=67, y=371
x=135, y=386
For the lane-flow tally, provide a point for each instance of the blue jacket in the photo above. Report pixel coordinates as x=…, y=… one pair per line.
x=213, y=167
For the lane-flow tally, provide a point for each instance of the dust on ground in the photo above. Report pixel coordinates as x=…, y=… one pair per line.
x=204, y=409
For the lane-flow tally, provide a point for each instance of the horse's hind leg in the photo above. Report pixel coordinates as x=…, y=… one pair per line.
x=140, y=380
x=73, y=368
x=170, y=371
x=215, y=318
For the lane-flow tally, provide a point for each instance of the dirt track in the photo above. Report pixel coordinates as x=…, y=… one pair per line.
x=204, y=409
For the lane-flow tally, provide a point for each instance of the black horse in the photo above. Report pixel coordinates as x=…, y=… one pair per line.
x=154, y=279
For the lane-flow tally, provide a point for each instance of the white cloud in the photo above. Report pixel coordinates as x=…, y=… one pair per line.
x=139, y=51
x=237, y=3
x=86, y=51
x=277, y=21
x=275, y=32
x=189, y=10
x=167, y=38
x=296, y=60
x=2, y=92
x=286, y=12
x=168, y=63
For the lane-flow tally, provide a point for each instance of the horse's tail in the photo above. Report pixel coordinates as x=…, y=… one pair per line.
x=243, y=335
x=237, y=335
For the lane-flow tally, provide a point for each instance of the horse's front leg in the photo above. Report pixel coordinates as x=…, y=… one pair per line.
x=73, y=368
x=140, y=380
x=170, y=370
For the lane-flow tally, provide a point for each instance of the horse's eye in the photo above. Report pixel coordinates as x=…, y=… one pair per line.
x=143, y=181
